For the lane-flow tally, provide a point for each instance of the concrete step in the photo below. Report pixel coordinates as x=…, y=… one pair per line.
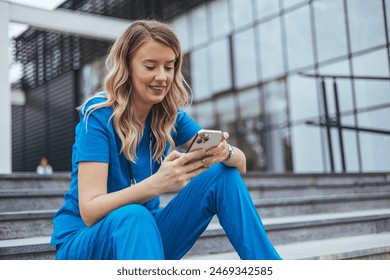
x=361, y=247
x=34, y=248
x=58, y=180
x=23, y=224
x=315, y=185
x=29, y=223
x=292, y=229
x=289, y=206
x=372, y=243
x=30, y=199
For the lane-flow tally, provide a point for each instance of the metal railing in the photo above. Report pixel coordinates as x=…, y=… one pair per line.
x=329, y=121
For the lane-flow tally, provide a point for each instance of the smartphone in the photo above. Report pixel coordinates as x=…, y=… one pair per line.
x=206, y=139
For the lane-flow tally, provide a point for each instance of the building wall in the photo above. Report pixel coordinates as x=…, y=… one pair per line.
x=45, y=125
x=245, y=59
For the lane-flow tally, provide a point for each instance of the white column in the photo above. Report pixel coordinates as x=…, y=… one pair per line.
x=5, y=93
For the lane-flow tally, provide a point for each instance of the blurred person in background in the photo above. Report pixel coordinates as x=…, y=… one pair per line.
x=44, y=167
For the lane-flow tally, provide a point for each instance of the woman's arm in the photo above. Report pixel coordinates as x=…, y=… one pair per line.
x=95, y=203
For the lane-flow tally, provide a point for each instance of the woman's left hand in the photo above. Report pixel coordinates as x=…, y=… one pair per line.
x=219, y=153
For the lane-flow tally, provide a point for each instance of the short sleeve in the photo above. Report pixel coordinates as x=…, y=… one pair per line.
x=92, y=137
x=186, y=128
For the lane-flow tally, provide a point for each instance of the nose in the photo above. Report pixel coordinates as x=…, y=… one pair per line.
x=161, y=75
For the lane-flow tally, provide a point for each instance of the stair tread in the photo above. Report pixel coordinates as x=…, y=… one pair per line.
x=333, y=248
x=317, y=218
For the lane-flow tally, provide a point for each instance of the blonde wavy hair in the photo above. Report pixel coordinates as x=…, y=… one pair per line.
x=118, y=88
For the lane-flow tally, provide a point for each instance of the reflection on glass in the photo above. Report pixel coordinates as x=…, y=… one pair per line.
x=199, y=25
x=220, y=17
x=278, y=150
x=371, y=92
x=289, y=3
x=220, y=66
x=242, y=12
x=330, y=30
x=266, y=8
x=367, y=27
x=275, y=102
x=205, y=114
x=245, y=58
x=226, y=109
x=181, y=28
x=302, y=98
x=376, y=154
x=250, y=131
x=299, y=39
x=91, y=78
x=271, y=49
x=249, y=103
x=199, y=74
x=306, y=149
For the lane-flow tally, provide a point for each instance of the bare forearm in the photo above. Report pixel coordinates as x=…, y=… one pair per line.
x=100, y=206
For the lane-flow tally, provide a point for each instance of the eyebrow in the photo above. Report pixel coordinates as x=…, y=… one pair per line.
x=154, y=61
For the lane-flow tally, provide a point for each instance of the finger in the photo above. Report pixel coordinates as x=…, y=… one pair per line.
x=225, y=135
x=191, y=156
x=173, y=155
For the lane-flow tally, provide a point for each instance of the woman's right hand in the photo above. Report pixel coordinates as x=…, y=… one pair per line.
x=177, y=170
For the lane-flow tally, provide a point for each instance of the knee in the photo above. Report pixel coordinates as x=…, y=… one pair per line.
x=134, y=213
x=222, y=172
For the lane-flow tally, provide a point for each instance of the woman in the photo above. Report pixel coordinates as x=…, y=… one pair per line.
x=121, y=165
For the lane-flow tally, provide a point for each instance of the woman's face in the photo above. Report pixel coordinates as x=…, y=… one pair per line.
x=152, y=73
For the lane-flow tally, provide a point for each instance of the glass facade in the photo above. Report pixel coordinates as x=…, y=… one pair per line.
x=246, y=60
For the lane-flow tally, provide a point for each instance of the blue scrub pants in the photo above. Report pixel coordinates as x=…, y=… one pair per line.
x=133, y=232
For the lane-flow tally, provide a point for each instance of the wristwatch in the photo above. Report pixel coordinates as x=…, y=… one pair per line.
x=231, y=153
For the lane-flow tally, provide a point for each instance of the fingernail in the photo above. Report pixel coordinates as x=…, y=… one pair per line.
x=209, y=153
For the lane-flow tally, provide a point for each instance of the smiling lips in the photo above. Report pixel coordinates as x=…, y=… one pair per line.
x=157, y=88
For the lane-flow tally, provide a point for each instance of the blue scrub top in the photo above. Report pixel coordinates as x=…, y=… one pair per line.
x=97, y=141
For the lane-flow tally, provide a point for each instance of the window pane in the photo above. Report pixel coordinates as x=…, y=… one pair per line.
x=302, y=97
x=289, y=3
x=376, y=152
x=220, y=66
x=266, y=8
x=387, y=2
x=226, y=112
x=245, y=58
x=271, y=50
x=199, y=25
x=181, y=28
x=306, y=149
x=372, y=92
x=330, y=31
x=299, y=39
x=205, y=113
x=366, y=24
x=199, y=74
x=275, y=103
x=278, y=150
x=249, y=102
x=220, y=17
x=242, y=12
x=251, y=142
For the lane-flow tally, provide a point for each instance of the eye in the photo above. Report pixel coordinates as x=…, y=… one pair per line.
x=169, y=68
x=149, y=67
